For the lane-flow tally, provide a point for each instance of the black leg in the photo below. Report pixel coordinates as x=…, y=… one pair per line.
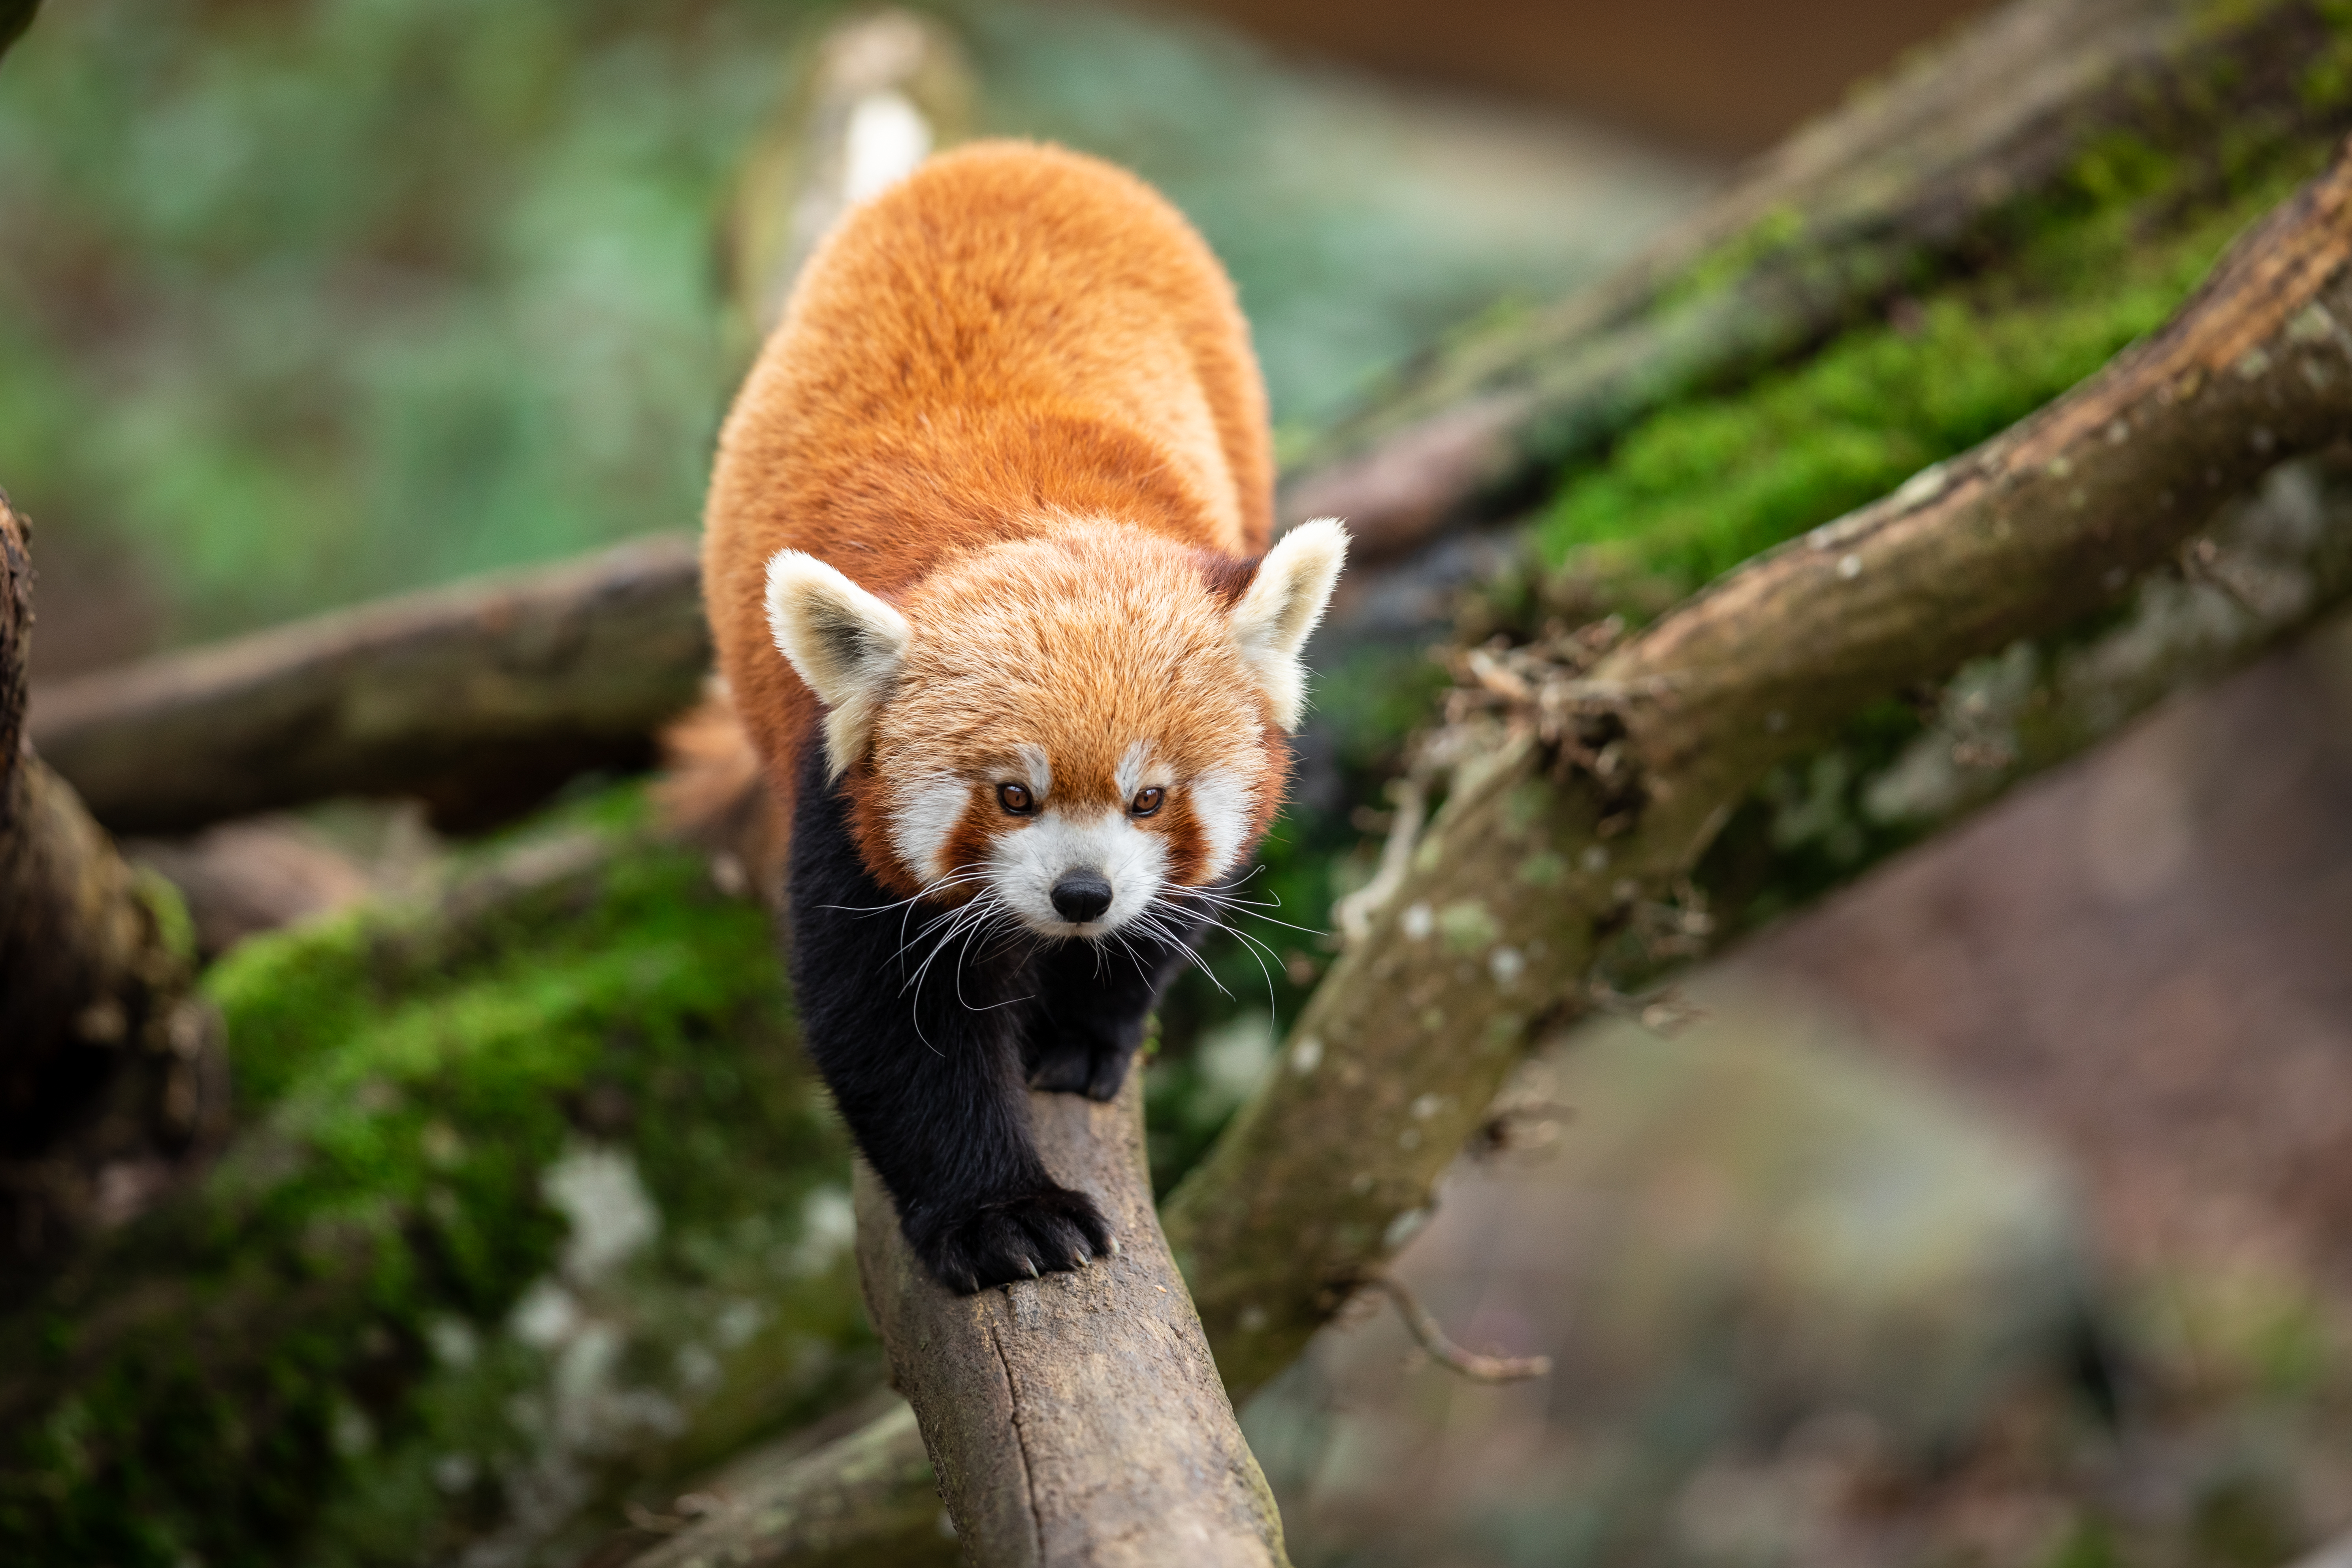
x=1092, y=1000
x=928, y=1075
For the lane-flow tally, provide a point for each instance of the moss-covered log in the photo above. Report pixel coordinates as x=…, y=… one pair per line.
x=111, y=1082
x=532, y=1200
x=2045, y=108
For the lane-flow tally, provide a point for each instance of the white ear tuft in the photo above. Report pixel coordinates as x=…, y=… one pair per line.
x=1284, y=602
x=845, y=643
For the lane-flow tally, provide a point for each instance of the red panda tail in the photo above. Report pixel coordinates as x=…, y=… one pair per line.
x=711, y=792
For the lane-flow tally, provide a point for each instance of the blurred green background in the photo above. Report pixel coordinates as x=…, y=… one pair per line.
x=305, y=302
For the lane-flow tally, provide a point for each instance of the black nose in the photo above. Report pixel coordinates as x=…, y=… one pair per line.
x=1080, y=896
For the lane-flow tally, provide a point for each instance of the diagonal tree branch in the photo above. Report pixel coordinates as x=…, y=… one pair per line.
x=1539, y=877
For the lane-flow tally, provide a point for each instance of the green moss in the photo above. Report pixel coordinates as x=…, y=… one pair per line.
x=1702, y=485
x=317, y=1355
x=1779, y=232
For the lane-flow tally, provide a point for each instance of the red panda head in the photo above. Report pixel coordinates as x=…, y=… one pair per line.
x=1072, y=725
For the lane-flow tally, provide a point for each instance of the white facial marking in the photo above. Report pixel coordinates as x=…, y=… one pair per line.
x=923, y=812
x=1221, y=803
x=1026, y=862
x=1131, y=766
x=1039, y=771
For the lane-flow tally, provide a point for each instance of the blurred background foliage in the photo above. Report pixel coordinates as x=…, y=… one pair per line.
x=304, y=302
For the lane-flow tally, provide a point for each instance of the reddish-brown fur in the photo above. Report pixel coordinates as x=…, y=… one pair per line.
x=1012, y=342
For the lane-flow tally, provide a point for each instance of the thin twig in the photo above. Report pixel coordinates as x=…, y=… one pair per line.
x=1432, y=1337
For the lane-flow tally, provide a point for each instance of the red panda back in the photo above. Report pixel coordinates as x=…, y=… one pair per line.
x=1014, y=338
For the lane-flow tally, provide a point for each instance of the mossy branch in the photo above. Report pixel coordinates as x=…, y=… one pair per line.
x=1934, y=168
x=1536, y=873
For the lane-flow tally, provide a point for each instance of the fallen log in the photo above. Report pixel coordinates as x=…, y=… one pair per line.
x=113, y=1080
x=1929, y=171
x=864, y=1500
x=479, y=699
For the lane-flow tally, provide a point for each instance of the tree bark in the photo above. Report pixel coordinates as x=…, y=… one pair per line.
x=480, y=698
x=112, y=1078
x=1919, y=175
x=1077, y=1418
x=869, y=1500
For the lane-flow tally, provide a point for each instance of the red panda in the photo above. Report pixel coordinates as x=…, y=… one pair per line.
x=986, y=561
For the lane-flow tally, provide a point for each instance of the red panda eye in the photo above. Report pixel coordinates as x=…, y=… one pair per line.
x=1014, y=798
x=1147, y=800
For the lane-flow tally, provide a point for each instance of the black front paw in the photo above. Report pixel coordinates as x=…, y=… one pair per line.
x=1092, y=1062
x=1014, y=1238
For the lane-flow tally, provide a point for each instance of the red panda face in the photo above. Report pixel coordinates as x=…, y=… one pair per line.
x=1072, y=727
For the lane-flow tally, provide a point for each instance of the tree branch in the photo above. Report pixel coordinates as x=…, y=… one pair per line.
x=1077, y=1418
x=479, y=698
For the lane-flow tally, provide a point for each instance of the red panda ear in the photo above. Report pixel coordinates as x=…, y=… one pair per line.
x=1280, y=606
x=845, y=643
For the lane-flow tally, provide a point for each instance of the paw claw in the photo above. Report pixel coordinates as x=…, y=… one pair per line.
x=1023, y=1236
